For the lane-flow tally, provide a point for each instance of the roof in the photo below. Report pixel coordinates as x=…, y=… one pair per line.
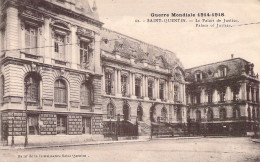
x=234, y=67
x=129, y=47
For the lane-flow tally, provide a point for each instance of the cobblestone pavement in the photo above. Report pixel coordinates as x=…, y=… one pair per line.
x=183, y=150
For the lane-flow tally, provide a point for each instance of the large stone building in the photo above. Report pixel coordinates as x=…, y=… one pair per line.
x=223, y=98
x=50, y=63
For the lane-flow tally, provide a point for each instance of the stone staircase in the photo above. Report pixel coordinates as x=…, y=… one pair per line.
x=144, y=129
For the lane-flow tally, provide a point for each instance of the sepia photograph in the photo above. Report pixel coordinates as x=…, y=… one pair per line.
x=129, y=80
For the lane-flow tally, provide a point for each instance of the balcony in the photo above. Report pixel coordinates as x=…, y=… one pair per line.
x=31, y=57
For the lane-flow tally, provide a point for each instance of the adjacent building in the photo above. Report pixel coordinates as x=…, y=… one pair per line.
x=223, y=98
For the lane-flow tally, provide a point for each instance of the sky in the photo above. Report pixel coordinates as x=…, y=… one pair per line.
x=193, y=46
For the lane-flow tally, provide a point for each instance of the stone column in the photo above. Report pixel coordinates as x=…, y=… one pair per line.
x=74, y=48
x=115, y=82
x=170, y=91
x=133, y=86
x=243, y=91
x=202, y=96
x=103, y=81
x=130, y=84
x=97, y=54
x=215, y=96
x=119, y=83
x=250, y=95
x=166, y=90
x=11, y=32
x=184, y=93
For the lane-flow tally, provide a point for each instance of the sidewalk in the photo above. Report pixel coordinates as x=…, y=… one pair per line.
x=256, y=140
x=76, y=144
x=144, y=139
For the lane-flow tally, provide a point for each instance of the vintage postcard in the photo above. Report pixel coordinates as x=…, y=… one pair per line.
x=129, y=80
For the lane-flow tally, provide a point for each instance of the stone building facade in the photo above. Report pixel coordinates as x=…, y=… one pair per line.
x=141, y=83
x=76, y=78
x=223, y=98
x=50, y=63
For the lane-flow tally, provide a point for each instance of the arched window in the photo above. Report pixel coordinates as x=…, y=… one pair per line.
x=139, y=113
x=108, y=83
x=111, y=111
x=210, y=115
x=253, y=113
x=236, y=113
x=60, y=91
x=126, y=112
x=163, y=115
x=222, y=114
x=85, y=94
x=31, y=87
x=179, y=114
x=198, y=116
x=152, y=114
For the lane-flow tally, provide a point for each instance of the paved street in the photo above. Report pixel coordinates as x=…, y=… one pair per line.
x=195, y=150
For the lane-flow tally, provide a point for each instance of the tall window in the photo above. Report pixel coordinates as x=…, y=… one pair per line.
x=85, y=94
x=198, y=116
x=3, y=41
x=150, y=89
x=124, y=85
x=161, y=91
x=222, y=96
x=236, y=113
x=126, y=112
x=248, y=92
x=163, y=115
x=30, y=39
x=198, y=98
x=179, y=114
x=111, y=114
x=210, y=115
x=138, y=87
x=176, y=89
x=139, y=113
x=84, y=52
x=31, y=87
x=59, y=46
x=61, y=124
x=210, y=96
x=108, y=83
x=60, y=92
x=252, y=94
x=222, y=114
x=257, y=96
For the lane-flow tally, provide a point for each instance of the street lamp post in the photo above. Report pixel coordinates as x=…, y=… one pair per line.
x=26, y=92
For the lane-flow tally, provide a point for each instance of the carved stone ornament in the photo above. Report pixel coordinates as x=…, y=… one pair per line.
x=34, y=67
x=62, y=71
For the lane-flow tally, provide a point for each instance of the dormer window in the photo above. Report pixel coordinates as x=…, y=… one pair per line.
x=222, y=72
x=198, y=77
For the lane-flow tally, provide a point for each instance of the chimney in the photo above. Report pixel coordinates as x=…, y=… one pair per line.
x=232, y=56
